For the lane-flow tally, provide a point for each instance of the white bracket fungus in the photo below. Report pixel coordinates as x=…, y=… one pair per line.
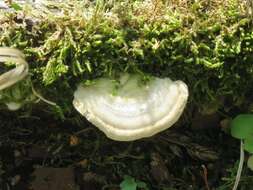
x=130, y=110
x=13, y=76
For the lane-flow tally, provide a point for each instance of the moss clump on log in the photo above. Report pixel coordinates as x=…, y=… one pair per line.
x=207, y=44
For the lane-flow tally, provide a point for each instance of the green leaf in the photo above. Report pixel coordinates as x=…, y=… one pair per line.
x=242, y=126
x=16, y=7
x=248, y=144
x=250, y=162
x=128, y=183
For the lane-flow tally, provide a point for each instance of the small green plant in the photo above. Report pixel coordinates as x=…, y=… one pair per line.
x=129, y=183
x=242, y=128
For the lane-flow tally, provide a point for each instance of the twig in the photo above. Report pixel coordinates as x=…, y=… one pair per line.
x=205, y=177
x=41, y=98
x=239, y=171
x=83, y=130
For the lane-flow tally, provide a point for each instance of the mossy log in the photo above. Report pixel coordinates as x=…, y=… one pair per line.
x=206, y=44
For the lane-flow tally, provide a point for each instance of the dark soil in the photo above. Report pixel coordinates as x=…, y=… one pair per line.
x=41, y=153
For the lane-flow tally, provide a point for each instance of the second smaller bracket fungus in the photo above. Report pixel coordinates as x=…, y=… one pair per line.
x=130, y=109
x=11, y=57
x=14, y=75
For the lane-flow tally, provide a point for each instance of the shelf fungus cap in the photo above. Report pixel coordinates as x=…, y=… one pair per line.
x=16, y=74
x=129, y=110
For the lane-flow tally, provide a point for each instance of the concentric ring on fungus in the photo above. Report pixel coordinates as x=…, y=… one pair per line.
x=131, y=110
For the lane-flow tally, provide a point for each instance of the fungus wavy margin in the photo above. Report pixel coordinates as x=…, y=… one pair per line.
x=89, y=99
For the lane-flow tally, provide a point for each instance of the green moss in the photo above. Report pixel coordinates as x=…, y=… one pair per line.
x=208, y=45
